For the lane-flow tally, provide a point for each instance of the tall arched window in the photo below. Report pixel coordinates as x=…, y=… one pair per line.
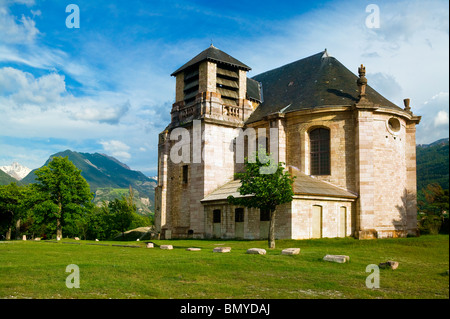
x=320, y=151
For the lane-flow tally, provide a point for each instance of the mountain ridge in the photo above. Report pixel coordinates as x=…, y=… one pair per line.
x=432, y=164
x=102, y=171
x=16, y=170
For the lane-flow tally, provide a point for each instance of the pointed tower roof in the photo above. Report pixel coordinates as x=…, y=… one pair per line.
x=317, y=81
x=215, y=55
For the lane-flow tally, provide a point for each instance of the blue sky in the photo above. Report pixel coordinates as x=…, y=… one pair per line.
x=106, y=87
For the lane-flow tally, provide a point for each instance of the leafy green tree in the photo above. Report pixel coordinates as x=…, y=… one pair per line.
x=433, y=206
x=267, y=190
x=11, y=208
x=62, y=194
x=122, y=211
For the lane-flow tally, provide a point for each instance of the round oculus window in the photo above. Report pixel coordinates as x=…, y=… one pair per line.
x=394, y=125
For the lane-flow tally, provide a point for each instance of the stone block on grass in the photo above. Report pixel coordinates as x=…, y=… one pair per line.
x=150, y=245
x=222, y=249
x=166, y=247
x=256, y=251
x=193, y=249
x=290, y=251
x=337, y=258
x=389, y=264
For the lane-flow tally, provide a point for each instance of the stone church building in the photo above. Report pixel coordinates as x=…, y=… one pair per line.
x=353, y=152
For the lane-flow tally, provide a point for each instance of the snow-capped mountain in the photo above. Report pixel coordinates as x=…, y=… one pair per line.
x=16, y=170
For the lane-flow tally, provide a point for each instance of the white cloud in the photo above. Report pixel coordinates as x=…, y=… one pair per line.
x=15, y=30
x=441, y=118
x=435, y=118
x=18, y=88
x=100, y=113
x=117, y=149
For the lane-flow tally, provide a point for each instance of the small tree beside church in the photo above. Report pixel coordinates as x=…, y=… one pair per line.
x=267, y=190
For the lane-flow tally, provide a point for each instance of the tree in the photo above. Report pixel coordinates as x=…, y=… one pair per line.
x=63, y=194
x=122, y=211
x=433, y=216
x=267, y=190
x=11, y=197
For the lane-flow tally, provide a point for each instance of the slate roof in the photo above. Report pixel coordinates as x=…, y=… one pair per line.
x=216, y=55
x=303, y=185
x=313, y=82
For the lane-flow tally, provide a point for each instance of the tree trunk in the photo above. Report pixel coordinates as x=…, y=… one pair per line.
x=272, y=229
x=58, y=229
x=18, y=229
x=58, y=221
x=8, y=234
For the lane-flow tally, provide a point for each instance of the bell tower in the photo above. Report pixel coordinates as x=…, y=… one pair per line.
x=211, y=102
x=211, y=85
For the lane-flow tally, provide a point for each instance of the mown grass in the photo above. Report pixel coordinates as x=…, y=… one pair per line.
x=37, y=270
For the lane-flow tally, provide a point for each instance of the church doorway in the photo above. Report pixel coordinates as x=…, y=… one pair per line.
x=239, y=223
x=217, y=223
x=342, y=222
x=316, y=221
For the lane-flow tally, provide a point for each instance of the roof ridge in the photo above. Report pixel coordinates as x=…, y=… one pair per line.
x=214, y=54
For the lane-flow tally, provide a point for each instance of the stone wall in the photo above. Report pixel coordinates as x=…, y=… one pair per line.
x=253, y=227
x=293, y=220
x=302, y=219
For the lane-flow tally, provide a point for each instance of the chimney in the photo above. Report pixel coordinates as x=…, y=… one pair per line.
x=406, y=103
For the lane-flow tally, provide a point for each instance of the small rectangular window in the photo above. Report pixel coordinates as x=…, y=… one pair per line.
x=216, y=215
x=264, y=215
x=239, y=215
x=185, y=174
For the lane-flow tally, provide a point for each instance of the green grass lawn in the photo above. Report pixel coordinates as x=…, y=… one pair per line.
x=37, y=269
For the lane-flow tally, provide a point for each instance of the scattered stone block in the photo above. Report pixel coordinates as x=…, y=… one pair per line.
x=150, y=245
x=76, y=238
x=256, y=251
x=290, y=251
x=166, y=247
x=137, y=239
x=37, y=239
x=96, y=239
x=389, y=264
x=222, y=249
x=24, y=237
x=193, y=249
x=337, y=258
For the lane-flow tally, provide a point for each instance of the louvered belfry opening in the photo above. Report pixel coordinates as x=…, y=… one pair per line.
x=191, y=84
x=228, y=84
